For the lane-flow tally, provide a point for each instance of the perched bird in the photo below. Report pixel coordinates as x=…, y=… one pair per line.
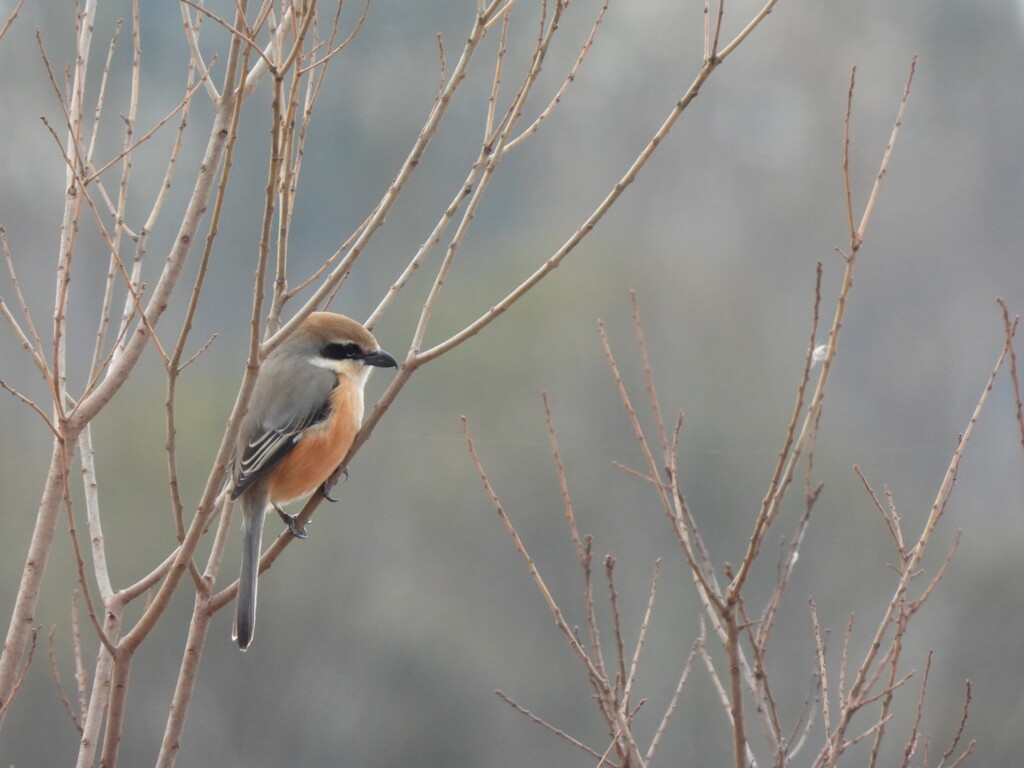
x=305, y=411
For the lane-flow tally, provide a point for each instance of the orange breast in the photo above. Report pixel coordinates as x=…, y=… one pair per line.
x=321, y=448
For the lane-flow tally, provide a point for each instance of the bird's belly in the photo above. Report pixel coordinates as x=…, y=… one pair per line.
x=320, y=449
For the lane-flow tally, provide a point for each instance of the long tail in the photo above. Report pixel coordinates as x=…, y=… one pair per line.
x=252, y=535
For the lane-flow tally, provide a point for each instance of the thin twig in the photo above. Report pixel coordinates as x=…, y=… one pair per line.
x=773, y=501
x=196, y=56
x=620, y=648
x=652, y=396
x=10, y=19
x=55, y=674
x=95, y=174
x=819, y=642
x=31, y=341
x=697, y=649
x=531, y=566
x=968, y=691
x=333, y=51
x=569, y=79
x=628, y=687
x=1010, y=329
x=22, y=674
x=915, y=728
x=545, y=724
x=31, y=404
x=886, y=155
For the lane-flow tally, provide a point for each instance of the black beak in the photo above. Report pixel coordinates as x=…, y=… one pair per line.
x=380, y=359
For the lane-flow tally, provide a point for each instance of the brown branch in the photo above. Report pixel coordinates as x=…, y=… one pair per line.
x=81, y=675
x=569, y=79
x=10, y=19
x=55, y=674
x=711, y=52
x=892, y=521
x=803, y=723
x=697, y=649
x=31, y=404
x=641, y=637
x=557, y=731
x=1010, y=329
x=199, y=626
x=846, y=161
x=30, y=342
x=538, y=580
x=786, y=569
x=145, y=137
x=652, y=395
x=80, y=561
x=563, y=485
x=620, y=647
x=332, y=51
x=915, y=728
x=22, y=674
x=938, y=507
x=886, y=156
x=195, y=56
x=968, y=691
x=773, y=500
x=826, y=706
x=383, y=208
x=686, y=533
x=233, y=30
x=581, y=232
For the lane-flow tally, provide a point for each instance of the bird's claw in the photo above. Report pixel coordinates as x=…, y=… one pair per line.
x=327, y=485
x=289, y=520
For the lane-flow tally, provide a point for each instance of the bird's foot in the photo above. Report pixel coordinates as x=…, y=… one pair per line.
x=289, y=520
x=327, y=485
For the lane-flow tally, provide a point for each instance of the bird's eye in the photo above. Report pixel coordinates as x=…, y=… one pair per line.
x=338, y=351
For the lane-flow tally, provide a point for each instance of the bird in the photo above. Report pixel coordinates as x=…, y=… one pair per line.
x=305, y=411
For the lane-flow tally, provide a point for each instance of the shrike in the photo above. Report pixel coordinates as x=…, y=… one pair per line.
x=305, y=411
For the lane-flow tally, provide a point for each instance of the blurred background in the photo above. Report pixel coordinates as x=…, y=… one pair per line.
x=382, y=637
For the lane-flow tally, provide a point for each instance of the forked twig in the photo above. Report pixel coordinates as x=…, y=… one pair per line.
x=1010, y=330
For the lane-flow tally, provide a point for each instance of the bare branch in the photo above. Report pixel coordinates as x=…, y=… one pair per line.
x=886, y=156
x=124, y=153
x=915, y=728
x=968, y=695
x=55, y=674
x=1010, y=329
x=826, y=707
x=531, y=566
x=628, y=686
x=31, y=404
x=697, y=649
x=569, y=79
x=10, y=19
x=557, y=731
x=332, y=51
x=192, y=35
x=97, y=541
x=22, y=674
x=34, y=345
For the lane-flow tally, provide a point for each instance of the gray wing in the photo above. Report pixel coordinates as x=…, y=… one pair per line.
x=278, y=429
